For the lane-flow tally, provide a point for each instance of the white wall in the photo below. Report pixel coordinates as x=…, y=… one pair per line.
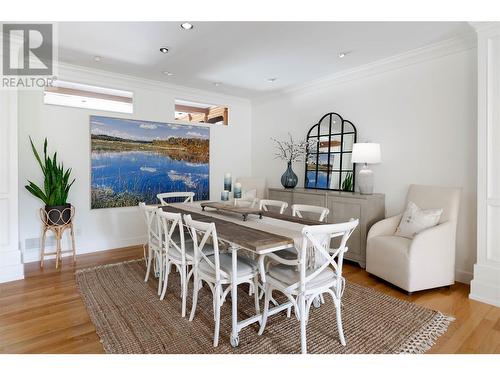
x=67, y=130
x=422, y=114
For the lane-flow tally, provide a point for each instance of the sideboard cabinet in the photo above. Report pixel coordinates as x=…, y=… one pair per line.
x=342, y=205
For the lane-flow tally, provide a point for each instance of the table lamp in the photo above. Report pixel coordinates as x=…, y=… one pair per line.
x=366, y=153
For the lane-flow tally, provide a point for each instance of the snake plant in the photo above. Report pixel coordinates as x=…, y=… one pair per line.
x=56, y=183
x=347, y=184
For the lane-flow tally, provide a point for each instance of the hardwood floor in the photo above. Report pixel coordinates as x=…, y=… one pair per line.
x=44, y=313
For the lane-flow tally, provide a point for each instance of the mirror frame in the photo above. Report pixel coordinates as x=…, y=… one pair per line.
x=314, y=133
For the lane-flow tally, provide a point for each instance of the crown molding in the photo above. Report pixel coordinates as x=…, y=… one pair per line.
x=485, y=27
x=415, y=56
x=128, y=82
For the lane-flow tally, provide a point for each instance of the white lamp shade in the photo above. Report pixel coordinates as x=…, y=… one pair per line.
x=368, y=153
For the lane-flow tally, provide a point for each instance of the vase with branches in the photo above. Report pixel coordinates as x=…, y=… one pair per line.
x=290, y=151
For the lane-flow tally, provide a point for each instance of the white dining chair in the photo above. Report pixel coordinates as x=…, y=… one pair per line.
x=153, y=242
x=188, y=197
x=264, y=205
x=298, y=209
x=216, y=270
x=178, y=251
x=301, y=284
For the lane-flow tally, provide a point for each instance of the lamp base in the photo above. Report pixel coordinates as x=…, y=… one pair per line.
x=365, y=180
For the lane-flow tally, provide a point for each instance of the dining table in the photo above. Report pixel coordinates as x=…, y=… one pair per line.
x=260, y=234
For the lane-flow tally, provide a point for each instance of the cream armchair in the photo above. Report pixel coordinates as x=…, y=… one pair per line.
x=251, y=183
x=426, y=261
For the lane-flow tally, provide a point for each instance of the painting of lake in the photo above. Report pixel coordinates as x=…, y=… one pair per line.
x=132, y=161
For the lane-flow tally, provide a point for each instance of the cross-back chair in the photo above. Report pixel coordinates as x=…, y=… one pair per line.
x=153, y=243
x=216, y=269
x=176, y=252
x=306, y=284
x=298, y=209
x=264, y=205
x=177, y=195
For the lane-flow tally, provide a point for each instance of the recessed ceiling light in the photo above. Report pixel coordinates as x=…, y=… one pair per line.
x=186, y=26
x=342, y=54
x=164, y=50
x=97, y=58
x=168, y=73
x=272, y=79
x=217, y=84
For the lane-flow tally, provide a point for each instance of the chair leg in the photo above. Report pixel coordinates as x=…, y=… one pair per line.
x=184, y=289
x=339, y=322
x=160, y=275
x=267, y=298
x=256, y=294
x=165, y=282
x=303, y=338
x=195, y=297
x=150, y=261
x=217, y=298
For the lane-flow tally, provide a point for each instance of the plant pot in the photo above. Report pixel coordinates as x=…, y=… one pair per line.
x=58, y=215
x=289, y=179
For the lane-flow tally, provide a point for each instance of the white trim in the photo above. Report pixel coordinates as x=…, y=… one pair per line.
x=462, y=276
x=485, y=286
x=126, y=82
x=12, y=273
x=33, y=255
x=415, y=56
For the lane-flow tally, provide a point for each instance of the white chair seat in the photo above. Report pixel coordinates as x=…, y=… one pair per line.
x=288, y=275
x=246, y=266
x=189, y=248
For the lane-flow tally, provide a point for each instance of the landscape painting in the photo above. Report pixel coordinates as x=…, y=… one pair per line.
x=133, y=160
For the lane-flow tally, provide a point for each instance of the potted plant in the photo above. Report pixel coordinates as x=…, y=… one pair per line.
x=56, y=187
x=291, y=152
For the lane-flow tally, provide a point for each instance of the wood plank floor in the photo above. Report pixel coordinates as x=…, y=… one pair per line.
x=44, y=313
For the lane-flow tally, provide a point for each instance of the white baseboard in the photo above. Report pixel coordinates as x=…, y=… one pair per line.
x=11, y=273
x=463, y=276
x=33, y=255
x=485, y=287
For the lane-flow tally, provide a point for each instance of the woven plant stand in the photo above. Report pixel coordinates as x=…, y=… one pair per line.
x=58, y=230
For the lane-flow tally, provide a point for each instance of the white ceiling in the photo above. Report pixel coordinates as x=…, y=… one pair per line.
x=243, y=55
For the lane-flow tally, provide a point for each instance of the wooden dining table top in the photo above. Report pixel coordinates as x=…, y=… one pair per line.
x=252, y=239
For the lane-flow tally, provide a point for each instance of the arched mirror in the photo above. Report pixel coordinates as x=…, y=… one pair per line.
x=328, y=160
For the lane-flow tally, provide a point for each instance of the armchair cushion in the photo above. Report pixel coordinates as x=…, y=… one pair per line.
x=415, y=220
x=388, y=257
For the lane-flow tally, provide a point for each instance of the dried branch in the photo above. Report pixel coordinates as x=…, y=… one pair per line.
x=292, y=151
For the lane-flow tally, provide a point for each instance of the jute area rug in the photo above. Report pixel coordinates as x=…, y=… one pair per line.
x=130, y=318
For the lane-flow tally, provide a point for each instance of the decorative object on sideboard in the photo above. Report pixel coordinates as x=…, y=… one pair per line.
x=328, y=159
x=224, y=196
x=347, y=183
x=227, y=182
x=291, y=152
x=237, y=190
x=56, y=187
x=367, y=153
